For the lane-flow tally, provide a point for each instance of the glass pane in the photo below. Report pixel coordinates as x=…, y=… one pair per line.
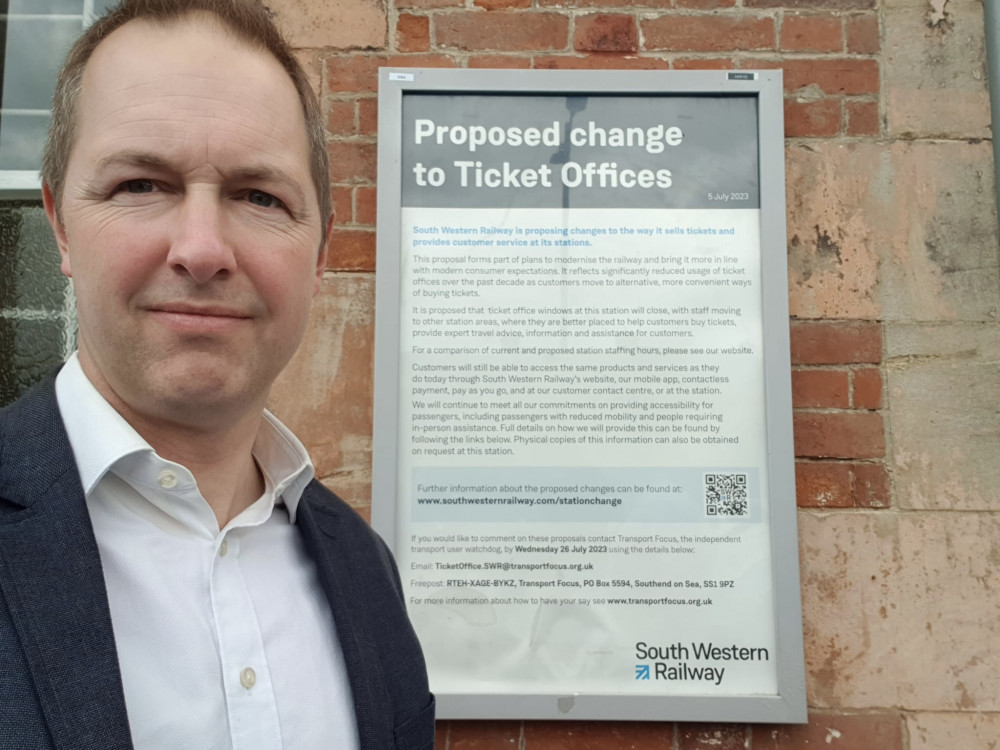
x=46, y=7
x=32, y=294
x=29, y=350
x=21, y=140
x=35, y=50
x=29, y=260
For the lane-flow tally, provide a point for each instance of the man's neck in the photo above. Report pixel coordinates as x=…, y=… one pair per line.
x=223, y=465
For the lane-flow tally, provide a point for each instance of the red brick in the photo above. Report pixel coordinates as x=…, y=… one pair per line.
x=351, y=73
x=351, y=250
x=413, y=33
x=484, y=735
x=422, y=4
x=813, y=33
x=364, y=205
x=871, y=486
x=811, y=4
x=359, y=73
x=606, y=32
x=502, y=31
x=708, y=33
x=441, y=729
x=812, y=119
x=502, y=4
x=711, y=736
x=600, y=62
x=597, y=735
x=352, y=161
x=842, y=732
x=862, y=118
x=343, y=212
x=839, y=435
x=836, y=342
x=421, y=61
x=820, y=389
x=862, y=34
x=368, y=116
x=499, y=61
x=340, y=118
x=600, y=3
x=823, y=485
x=831, y=75
x=703, y=63
x=705, y=4
x=867, y=388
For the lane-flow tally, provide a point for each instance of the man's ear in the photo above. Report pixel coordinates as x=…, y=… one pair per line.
x=322, y=255
x=52, y=212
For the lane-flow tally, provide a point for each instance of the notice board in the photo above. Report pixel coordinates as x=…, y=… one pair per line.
x=582, y=445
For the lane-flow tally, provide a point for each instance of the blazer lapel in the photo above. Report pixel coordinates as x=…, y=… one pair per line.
x=342, y=573
x=52, y=582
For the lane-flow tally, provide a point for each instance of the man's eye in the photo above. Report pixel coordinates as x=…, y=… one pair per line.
x=137, y=186
x=264, y=200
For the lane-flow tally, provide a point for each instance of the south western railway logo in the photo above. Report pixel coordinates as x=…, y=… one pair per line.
x=692, y=662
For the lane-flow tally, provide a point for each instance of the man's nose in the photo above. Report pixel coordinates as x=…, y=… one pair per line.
x=200, y=246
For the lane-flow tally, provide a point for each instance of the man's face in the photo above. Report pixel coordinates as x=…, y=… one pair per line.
x=189, y=222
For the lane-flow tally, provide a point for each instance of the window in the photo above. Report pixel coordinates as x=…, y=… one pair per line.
x=37, y=320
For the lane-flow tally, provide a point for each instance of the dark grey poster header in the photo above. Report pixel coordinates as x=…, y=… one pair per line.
x=550, y=151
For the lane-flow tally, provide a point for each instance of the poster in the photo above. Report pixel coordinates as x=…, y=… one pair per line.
x=582, y=475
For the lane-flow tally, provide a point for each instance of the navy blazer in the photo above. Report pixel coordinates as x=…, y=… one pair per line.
x=60, y=685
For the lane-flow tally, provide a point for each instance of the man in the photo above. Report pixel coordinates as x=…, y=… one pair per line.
x=171, y=576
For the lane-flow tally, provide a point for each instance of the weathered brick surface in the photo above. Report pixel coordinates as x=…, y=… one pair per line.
x=900, y=610
x=862, y=34
x=339, y=24
x=413, y=33
x=708, y=33
x=900, y=232
x=712, y=737
x=352, y=161
x=823, y=484
x=942, y=388
x=502, y=31
x=863, y=118
x=703, y=63
x=835, y=342
x=866, y=388
x=935, y=70
x=818, y=118
x=811, y=33
x=839, y=435
x=484, y=735
x=840, y=731
x=950, y=731
x=325, y=393
x=599, y=62
x=821, y=388
x=831, y=75
x=596, y=735
x=351, y=250
x=341, y=118
x=871, y=486
x=606, y=32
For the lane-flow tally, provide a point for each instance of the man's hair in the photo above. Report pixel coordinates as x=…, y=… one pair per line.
x=247, y=20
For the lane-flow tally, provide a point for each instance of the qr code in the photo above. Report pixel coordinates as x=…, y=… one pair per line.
x=726, y=495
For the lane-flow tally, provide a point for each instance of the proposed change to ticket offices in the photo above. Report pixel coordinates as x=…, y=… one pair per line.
x=582, y=438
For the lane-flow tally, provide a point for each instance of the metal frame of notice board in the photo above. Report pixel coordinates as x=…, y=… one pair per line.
x=582, y=453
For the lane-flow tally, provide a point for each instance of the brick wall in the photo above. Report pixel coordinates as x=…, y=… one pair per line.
x=894, y=289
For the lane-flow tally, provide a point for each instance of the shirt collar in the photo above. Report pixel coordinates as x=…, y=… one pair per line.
x=101, y=438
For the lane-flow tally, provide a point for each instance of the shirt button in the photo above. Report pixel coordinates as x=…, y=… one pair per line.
x=167, y=479
x=223, y=548
x=248, y=678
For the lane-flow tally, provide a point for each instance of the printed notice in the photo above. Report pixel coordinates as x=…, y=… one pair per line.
x=583, y=478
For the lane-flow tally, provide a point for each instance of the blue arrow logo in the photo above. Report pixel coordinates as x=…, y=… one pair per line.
x=642, y=671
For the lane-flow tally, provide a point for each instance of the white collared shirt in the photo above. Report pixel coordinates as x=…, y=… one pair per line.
x=225, y=638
